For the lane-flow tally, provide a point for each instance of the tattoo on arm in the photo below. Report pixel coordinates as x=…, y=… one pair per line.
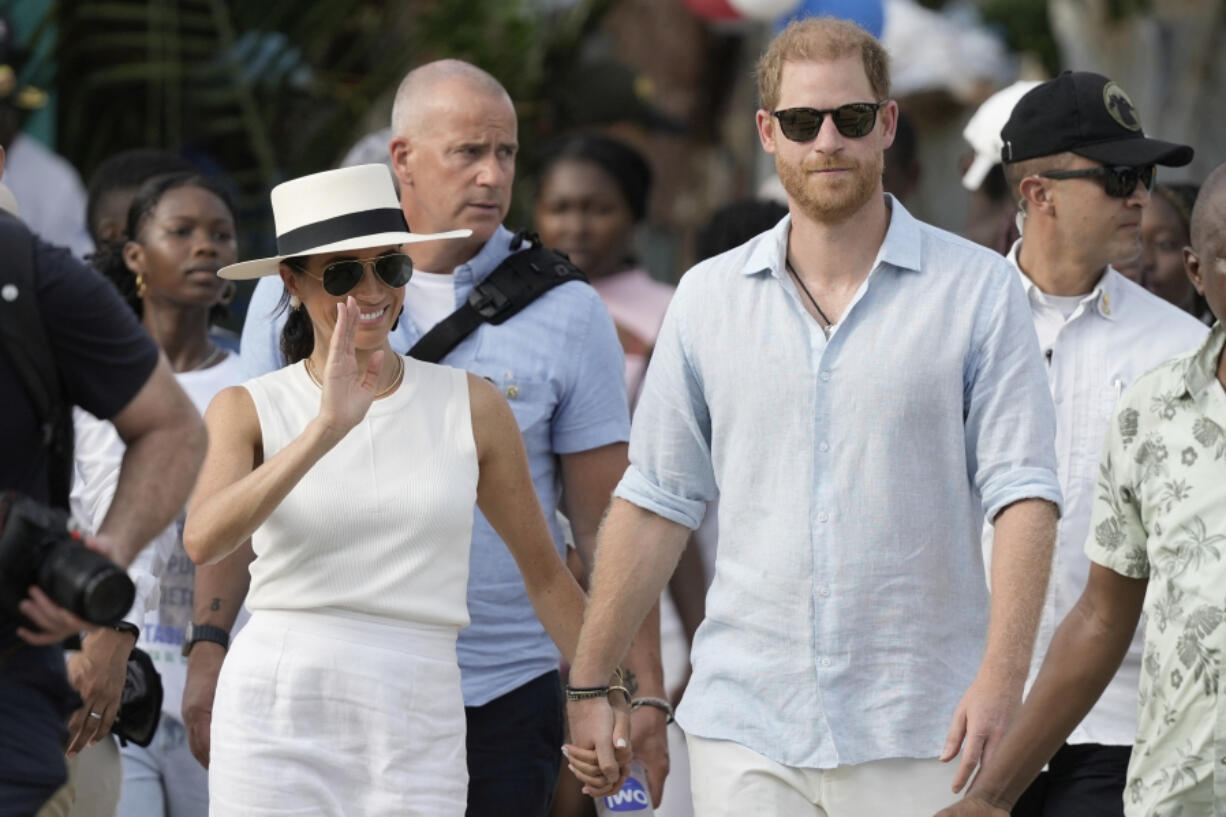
x=215, y=605
x=632, y=683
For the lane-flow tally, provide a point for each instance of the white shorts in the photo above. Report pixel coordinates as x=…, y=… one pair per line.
x=728, y=779
x=333, y=713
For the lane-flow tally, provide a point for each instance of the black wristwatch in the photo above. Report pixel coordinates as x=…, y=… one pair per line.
x=203, y=632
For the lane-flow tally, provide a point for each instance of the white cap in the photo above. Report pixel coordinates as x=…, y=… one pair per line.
x=983, y=131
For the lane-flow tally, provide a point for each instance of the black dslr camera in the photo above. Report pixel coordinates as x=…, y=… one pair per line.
x=39, y=546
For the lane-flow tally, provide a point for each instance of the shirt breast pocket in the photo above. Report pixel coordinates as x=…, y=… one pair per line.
x=1096, y=420
x=531, y=400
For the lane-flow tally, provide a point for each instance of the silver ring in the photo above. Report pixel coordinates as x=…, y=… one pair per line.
x=95, y=715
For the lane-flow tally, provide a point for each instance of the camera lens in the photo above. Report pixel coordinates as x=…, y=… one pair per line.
x=107, y=596
x=85, y=582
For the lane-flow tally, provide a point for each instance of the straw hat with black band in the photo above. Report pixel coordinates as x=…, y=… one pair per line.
x=351, y=208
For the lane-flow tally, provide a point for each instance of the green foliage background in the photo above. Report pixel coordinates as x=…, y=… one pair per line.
x=265, y=91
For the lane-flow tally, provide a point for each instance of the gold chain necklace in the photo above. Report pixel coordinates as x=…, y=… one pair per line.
x=388, y=389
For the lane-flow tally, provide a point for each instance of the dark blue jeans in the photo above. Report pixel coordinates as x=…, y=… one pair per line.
x=35, y=702
x=1082, y=780
x=515, y=750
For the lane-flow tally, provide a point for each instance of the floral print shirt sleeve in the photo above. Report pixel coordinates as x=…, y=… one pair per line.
x=1160, y=514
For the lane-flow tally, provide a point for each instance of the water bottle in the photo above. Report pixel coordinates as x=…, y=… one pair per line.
x=632, y=798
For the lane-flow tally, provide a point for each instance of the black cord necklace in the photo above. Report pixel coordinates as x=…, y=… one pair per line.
x=827, y=322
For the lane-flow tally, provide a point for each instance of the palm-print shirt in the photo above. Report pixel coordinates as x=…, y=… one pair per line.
x=1160, y=515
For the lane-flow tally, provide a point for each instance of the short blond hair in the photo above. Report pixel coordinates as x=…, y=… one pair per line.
x=821, y=39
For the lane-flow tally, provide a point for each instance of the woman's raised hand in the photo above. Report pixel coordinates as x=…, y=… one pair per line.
x=347, y=392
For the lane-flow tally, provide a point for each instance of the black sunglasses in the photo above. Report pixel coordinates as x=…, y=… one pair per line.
x=854, y=120
x=1119, y=181
x=394, y=269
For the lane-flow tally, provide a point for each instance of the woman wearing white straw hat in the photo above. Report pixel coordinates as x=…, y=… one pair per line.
x=354, y=471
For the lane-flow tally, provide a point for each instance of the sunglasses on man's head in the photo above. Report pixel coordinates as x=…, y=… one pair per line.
x=1119, y=181
x=854, y=120
x=394, y=269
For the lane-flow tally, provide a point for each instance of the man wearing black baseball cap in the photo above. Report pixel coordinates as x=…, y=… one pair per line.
x=1080, y=167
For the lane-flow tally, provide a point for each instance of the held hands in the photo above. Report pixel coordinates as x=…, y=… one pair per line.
x=650, y=730
x=599, y=751
x=985, y=713
x=97, y=673
x=347, y=391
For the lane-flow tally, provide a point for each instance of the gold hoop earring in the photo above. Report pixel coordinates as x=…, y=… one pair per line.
x=140, y=285
x=227, y=294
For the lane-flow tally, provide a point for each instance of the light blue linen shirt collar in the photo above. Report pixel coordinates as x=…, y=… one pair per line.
x=902, y=248
x=478, y=268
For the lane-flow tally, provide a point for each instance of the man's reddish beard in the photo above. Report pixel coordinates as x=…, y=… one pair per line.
x=830, y=201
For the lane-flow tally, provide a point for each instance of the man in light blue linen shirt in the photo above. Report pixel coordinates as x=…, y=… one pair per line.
x=560, y=366
x=861, y=389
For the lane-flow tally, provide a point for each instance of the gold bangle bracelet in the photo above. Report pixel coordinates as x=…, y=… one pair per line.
x=619, y=688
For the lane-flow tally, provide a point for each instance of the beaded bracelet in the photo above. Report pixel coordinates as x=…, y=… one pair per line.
x=586, y=693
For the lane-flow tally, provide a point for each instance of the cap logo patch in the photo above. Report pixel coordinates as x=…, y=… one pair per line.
x=1120, y=107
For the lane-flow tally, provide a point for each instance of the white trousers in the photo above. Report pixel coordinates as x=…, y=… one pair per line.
x=728, y=779
x=338, y=715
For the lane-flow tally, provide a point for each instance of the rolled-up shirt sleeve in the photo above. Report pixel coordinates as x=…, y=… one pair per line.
x=670, y=471
x=1010, y=418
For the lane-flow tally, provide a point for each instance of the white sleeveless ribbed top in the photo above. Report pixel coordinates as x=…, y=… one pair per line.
x=381, y=525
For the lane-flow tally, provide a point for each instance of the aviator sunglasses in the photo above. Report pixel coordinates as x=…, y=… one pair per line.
x=1118, y=181
x=854, y=120
x=394, y=269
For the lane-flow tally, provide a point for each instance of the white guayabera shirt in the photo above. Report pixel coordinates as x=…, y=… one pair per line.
x=848, y=613
x=1161, y=515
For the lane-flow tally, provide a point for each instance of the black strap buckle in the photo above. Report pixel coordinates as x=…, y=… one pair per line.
x=488, y=301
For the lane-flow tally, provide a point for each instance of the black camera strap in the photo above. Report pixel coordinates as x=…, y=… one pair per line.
x=23, y=340
x=519, y=280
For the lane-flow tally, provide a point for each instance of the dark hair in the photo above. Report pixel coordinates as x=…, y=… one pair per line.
x=1182, y=198
x=625, y=165
x=127, y=170
x=298, y=334
x=108, y=257
x=734, y=224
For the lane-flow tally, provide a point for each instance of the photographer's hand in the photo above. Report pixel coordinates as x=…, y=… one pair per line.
x=55, y=623
x=97, y=673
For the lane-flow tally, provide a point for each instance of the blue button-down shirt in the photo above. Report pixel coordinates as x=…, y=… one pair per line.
x=849, y=609
x=559, y=364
